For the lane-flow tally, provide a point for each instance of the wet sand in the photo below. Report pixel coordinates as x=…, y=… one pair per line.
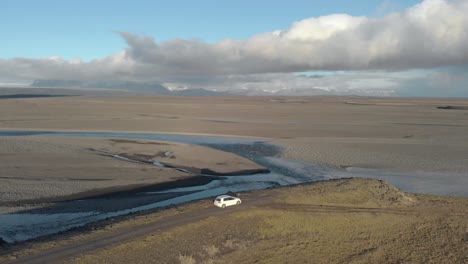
x=389, y=133
x=341, y=132
x=405, y=154
x=374, y=133
x=37, y=170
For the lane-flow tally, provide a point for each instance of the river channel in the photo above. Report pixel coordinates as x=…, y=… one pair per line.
x=62, y=216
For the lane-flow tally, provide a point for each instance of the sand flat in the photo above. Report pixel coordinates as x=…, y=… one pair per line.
x=396, y=154
x=388, y=133
x=35, y=167
x=401, y=133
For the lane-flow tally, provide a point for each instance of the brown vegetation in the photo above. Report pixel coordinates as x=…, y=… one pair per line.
x=340, y=221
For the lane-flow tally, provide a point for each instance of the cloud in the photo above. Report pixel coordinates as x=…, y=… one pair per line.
x=431, y=34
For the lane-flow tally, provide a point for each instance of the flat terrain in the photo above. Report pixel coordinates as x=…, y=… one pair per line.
x=397, y=133
x=341, y=221
x=382, y=133
x=37, y=170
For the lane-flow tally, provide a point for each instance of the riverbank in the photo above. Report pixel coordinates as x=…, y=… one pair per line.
x=385, y=133
x=38, y=170
x=104, y=178
x=346, y=220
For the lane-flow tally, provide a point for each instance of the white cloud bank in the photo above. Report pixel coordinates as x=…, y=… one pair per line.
x=431, y=34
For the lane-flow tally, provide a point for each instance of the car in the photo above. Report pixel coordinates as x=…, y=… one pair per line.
x=226, y=200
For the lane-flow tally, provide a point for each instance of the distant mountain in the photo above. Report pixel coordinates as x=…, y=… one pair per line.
x=150, y=88
x=137, y=87
x=22, y=96
x=199, y=92
x=132, y=87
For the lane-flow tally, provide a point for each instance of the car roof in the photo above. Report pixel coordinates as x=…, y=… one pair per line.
x=225, y=196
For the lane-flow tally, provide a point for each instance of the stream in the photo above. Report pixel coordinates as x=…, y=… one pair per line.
x=57, y=217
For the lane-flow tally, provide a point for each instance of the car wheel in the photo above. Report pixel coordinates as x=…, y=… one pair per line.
x=223, y=206
x=238, y=202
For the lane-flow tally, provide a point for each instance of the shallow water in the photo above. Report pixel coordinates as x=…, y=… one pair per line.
x=437, y=183
x=63, y=216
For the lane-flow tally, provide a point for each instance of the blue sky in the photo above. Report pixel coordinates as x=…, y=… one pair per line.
x=85, y=28
x=373, y=47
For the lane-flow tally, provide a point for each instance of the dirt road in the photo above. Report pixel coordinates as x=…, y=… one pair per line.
x=351, y=214
x=62, y=253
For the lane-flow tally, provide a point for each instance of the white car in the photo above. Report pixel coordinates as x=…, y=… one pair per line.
x=226, y=200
